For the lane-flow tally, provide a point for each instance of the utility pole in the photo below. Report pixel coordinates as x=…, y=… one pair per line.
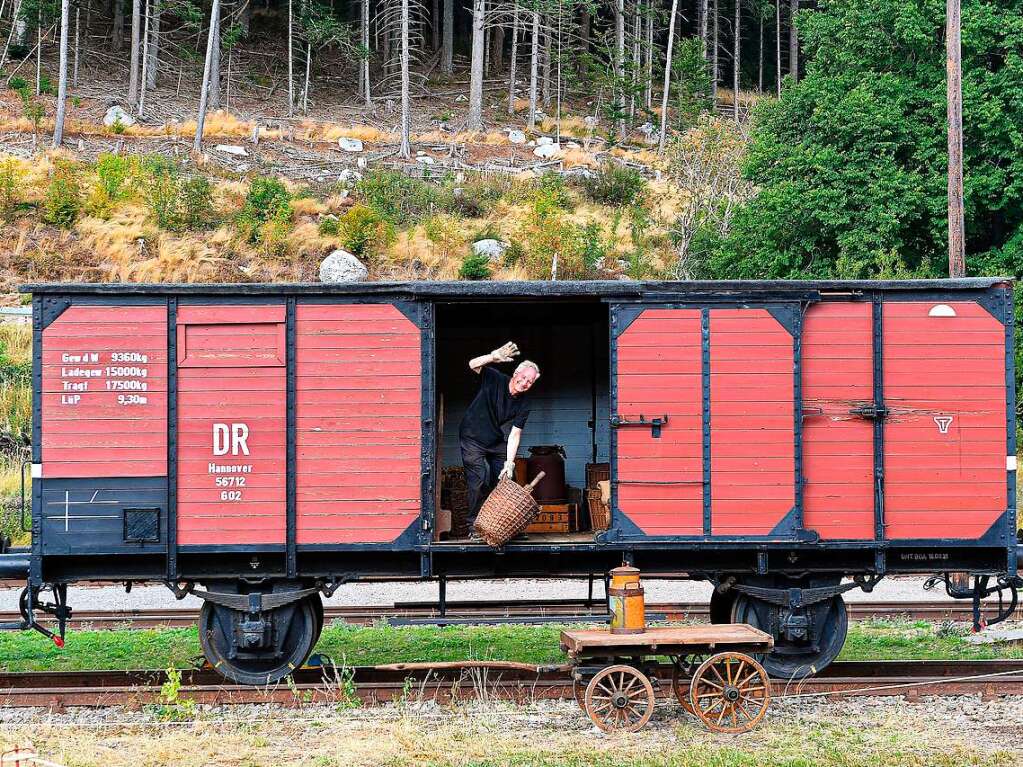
x=954, y=80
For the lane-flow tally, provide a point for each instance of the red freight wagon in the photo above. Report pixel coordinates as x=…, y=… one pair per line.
x=787, y=441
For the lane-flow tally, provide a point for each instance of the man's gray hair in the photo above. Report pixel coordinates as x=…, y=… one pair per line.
x=528, y=364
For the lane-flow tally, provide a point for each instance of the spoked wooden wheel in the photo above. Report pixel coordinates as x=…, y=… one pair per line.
x=682, y=668
x=619, y=699
x=730, y=692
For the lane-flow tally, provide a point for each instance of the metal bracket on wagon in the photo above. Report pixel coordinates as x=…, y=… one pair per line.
x=798, y=597
x=256, y=602
x=655, y=424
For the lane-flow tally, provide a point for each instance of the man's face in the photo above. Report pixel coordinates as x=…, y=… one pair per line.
x=522, y=381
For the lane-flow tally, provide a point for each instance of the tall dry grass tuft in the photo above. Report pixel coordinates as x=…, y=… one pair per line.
x=332, y=132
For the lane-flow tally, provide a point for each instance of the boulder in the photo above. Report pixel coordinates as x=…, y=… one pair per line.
x=342, y=266
x=544, y=141
x=350, y=144
x=591, y=122
x=237, y=151
x=572, y=145
x=516, y=137
x=425, y=160
x=349, y=176
x=491, y=248
x=547, y=151
x=116, y=115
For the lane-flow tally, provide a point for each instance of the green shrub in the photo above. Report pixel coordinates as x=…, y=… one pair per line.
x=267, y=202
x=18, y=83
x=475, y=267
x=615, y=185
x=161, y=191
x=363, y=231
x=46, y=86
x=472, y=199
x=398, y=198
x=63, y=201
x=595, y=250
x=112, y=172
x=10, y=187
x=195, y=203
x=328, y=225
x=550, y=195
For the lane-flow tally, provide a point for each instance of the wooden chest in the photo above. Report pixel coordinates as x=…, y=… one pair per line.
x=556, y=518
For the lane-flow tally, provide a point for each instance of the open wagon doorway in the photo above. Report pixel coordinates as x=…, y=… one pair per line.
x=568, y=406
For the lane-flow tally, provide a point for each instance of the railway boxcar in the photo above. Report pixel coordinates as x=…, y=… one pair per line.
x=258, y=445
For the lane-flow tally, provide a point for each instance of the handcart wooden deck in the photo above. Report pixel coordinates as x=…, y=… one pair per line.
x=712, y=672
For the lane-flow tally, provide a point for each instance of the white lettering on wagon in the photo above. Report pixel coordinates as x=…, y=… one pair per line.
x=943, y=422
x=231, y=438
x=110, y=378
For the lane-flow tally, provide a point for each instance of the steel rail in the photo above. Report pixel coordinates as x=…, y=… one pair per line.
x=372, y=685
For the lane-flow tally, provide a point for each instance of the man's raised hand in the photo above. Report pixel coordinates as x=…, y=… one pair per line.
x=506, y=353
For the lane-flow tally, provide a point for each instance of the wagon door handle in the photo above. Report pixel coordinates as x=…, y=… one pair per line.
x=872, y=412
x=655, y=424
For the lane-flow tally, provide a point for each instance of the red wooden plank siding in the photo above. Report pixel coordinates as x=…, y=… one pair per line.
x=752, y=443
x=950, y=485
x=659, y=373
x=838, y=447
x=231, y=376
x=104, y=402
x=359, y=423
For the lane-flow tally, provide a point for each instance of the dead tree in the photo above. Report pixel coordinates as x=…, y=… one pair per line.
x=58, y=124
x=777, y=47
x=513, y=62
x=448, y=44
x=534, y=64
x=364, y=64
x=153, y=61
x=793, y=41
x=145, y=63
x=200, y=119
x=715, y=71
x=405, y=147
x=475, y=120
x=735, y=60
x=133, y=61
x=619, y=66
x=667, y=75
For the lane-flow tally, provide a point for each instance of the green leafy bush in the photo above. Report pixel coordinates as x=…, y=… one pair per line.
x=46, y=86
x=328, y=225
x=10, y=187
x=266, y=216
x=63, y=201
x=363, y=231
x=398, y=198
x=17, y=83
x=615, y=185
x=472, y=199
x=161, y=191
x=112, y=175
x=475, y=267
x=195, y=203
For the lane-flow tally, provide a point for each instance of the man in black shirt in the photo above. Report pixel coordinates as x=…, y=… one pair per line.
x=501, y=400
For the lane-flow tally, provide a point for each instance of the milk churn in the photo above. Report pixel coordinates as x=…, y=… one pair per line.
x=628, y=611
x=549, y=460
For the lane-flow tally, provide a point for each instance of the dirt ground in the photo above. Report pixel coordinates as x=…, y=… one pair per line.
x=849, y=732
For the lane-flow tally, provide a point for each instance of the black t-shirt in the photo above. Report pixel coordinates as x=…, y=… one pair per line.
x=493, y=408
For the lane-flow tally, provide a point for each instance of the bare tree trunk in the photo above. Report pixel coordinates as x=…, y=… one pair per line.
x=735, y=59
x=534, y=62
x=435, y=25
x=487, y=36
x=74, y=67
x=475, y=120
x=760, y=57
x=954, y=88
x=245, y=17
x=39, y=51
x=637, y=37
x=649, y=77
x=448, y=47
x=117, y=32
x=58, y=124
x=496, y=48
x=585, y=23
x=153, y=62
x=793, y=41
x=714, y=57
x=513, y=62
x=619, y=67
x=405, y=149
x=545, y=81
x=703, y=27
x=133, y=64
x=200, y=119
x=777, y=47
x=215, y=73
x=667, y=75
x=291, y=61
x=145, y=62
x=308, y=67
x=364, y=69
x=17, y=25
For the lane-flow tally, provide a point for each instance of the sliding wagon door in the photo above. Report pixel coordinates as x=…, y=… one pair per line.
x=705, y=406
x=359, y=422
x=232, y=425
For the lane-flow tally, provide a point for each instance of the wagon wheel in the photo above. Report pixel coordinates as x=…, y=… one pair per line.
x=619, y=698
x=579, y=690
x=682, y=668
x=730, y=692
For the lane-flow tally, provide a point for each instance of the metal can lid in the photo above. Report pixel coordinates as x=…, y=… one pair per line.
x=625, y=570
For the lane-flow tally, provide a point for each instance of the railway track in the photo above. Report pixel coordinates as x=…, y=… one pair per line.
x=410, y=613
x=372, y=685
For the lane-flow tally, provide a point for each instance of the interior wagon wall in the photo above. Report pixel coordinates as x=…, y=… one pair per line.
x=573, y=386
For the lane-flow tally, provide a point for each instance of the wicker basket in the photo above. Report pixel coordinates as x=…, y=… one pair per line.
x=507, y=511
x=600, y=514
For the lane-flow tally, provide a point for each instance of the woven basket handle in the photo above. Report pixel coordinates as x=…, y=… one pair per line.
x=536, y=481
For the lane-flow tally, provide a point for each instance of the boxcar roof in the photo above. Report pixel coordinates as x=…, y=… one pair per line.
x=516, y=289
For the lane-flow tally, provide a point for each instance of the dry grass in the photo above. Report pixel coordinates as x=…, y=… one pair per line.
x=570, y=126
x=332, y=132
x=16, y=342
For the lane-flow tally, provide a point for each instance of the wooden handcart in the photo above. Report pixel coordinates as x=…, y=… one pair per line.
x=712, y=674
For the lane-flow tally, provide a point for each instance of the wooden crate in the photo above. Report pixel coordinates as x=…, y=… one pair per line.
x=556, y=518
